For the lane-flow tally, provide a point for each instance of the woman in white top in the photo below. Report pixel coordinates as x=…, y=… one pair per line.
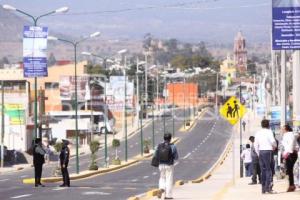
x=289, y=154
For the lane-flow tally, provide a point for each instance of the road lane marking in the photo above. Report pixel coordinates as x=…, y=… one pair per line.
x=154, y=173
x=145, y=177
x=176, y=163
x=134, y=180
x=4, y=180
x=21, y=196
x=24, y=176
x=59, y=188
x=187, y=155
x=107, y=188
x=95, y=193
x=129, y=188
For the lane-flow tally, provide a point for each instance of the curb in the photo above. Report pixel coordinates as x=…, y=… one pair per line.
x=81, y=176
x=88, y=173
x=219, y=162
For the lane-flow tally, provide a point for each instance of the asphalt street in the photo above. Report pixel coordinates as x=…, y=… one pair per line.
x=198, y=150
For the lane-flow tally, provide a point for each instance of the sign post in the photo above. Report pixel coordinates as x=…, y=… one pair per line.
x=285, y=36
x=233, y=111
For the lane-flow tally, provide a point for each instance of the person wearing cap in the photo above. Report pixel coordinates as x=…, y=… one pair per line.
x=166, y=152
x=38, y=161
x=64, y=161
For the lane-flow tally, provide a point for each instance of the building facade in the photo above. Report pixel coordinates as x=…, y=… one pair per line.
x=240, y=52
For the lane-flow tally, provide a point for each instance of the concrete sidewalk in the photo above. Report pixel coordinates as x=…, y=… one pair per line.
x=225, y=184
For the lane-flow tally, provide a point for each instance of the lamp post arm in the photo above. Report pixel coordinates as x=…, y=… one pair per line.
x=68, y=41
x=28, y=15
x=49, y=13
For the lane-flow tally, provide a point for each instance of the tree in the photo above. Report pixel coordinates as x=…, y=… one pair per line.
x=115, y=144
x=94, y=147
x=51, y=60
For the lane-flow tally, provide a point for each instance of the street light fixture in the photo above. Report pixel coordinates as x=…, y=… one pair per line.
x=75, y=45
x=35, y=20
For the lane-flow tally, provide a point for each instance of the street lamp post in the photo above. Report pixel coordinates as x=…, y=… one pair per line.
x=2, y=124
x=173, y=109
x=35, y=20
x=165, y=96
x=75, y=46
x=105, y=60
x=122, y=52
x=184, y=100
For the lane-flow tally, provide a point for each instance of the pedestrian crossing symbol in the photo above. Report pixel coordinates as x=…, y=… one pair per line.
x=233, y=110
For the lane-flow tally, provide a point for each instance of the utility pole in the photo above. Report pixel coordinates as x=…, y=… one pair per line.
x=125, y=110
x=137, y=91
x=153, y=126
x=273, y=67
x=184, y=93
x=146, y=83
x=283, y=89
x=165, y=96
x=217, y=88
x=241, y=141
x=106, y=117
x=141, y=128
x=173, y=110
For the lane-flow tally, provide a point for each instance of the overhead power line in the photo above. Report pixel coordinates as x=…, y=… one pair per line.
x=142, y=8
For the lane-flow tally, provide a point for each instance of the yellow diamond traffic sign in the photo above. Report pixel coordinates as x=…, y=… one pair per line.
x=233, y=110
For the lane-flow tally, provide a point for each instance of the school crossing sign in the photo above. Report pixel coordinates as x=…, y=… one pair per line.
x=233, y=110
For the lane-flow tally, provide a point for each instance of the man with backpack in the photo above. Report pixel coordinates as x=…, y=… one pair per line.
x=166, y=153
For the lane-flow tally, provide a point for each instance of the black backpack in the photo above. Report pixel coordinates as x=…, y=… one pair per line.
x=165, y=154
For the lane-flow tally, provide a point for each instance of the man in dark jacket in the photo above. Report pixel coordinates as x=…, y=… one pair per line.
x=64, y=161
x=166, y=153
x=38, y=161
x=255, y=163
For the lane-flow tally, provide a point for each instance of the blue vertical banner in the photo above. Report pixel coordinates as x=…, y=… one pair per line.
x=286, y=24
x=35, y=51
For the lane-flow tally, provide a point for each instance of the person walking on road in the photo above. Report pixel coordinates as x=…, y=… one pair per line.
x=264, y=145
x=246, y=156
x=289, y=154
x=166, y=153
x=38, y=161
x=64, y=161
x=255, y=163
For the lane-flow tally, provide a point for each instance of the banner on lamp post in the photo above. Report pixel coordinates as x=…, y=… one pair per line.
x=35, y=51
x=286, y=24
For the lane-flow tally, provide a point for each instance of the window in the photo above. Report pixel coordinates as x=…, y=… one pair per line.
x=51, y=85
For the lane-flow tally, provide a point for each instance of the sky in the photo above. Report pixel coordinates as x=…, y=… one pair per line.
x=189, y=20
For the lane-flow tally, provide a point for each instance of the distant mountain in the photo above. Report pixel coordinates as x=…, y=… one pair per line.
x=188, y=20
x=11, y=26
x=123, y=24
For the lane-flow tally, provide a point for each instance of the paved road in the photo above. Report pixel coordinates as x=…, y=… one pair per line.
x=198, y=150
